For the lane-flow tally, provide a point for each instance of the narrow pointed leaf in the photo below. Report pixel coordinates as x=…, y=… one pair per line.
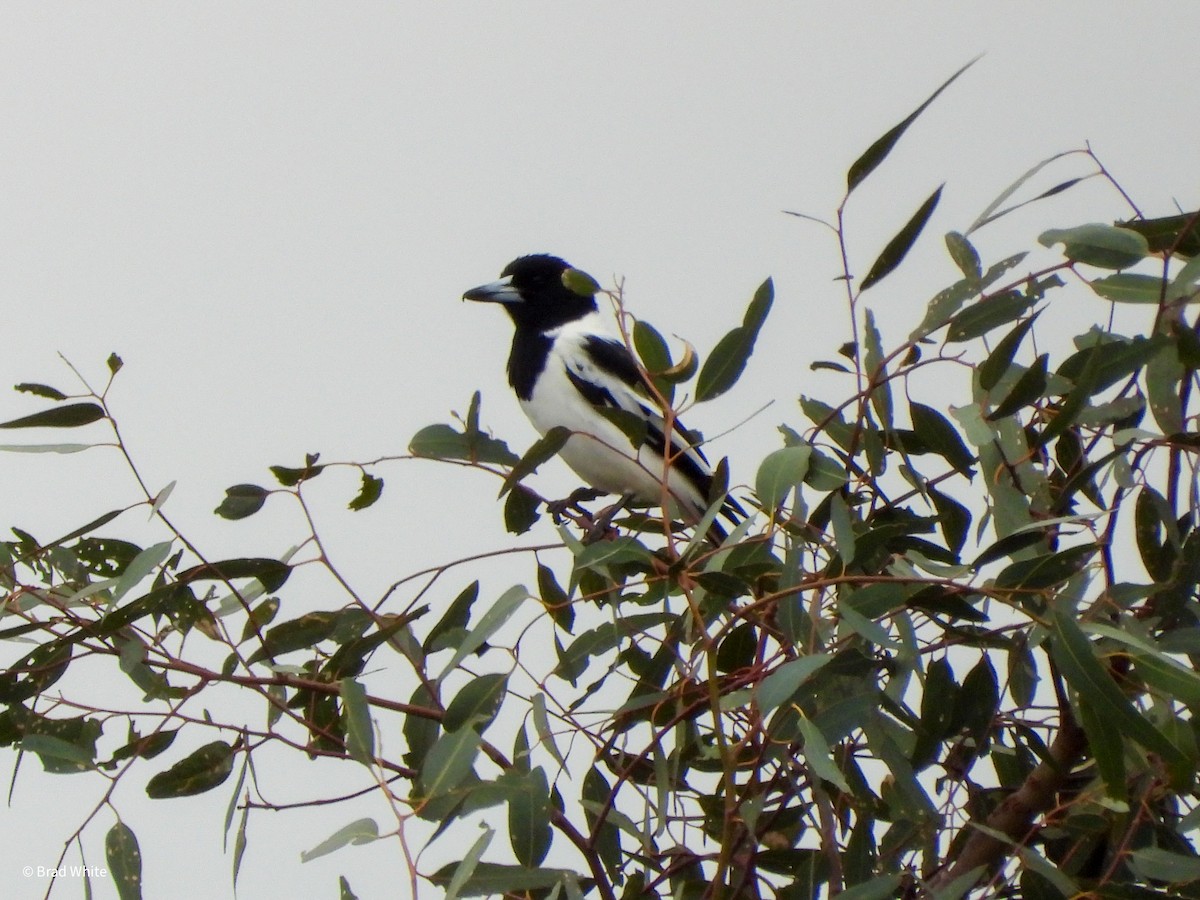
x=897, y=248
x=992, y=369
x=360, y=831
x=727, y=361
x=72, y=415
x=356, y=711
x=1028, y=389
x=542, y=450
x=878, y=151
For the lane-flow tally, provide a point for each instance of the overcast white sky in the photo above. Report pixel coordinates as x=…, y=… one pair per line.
x=270, y=211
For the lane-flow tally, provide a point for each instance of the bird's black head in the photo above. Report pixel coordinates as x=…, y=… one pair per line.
x=536, y=294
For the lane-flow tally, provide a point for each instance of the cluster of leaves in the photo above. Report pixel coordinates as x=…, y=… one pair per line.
x=951, y=650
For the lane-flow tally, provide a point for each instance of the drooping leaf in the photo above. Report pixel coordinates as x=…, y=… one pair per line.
x=1130, y=287
x=356, y=713
x=520, y=510
x=449, y=761
x=779, y=473
x=203, y=770
x=897, y=248
x=542, y=450
x=941, y=437
x=529, y=820
x=1028, y=389
x=369, y=491
x=989, y=312
x=992, y=369
x=124, y=859
x=444, y=442
x=290, y=477
x=964, y=254
x=477, y=703
x=73, y=415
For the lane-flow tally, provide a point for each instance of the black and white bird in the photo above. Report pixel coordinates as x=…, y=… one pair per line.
x=565, y=366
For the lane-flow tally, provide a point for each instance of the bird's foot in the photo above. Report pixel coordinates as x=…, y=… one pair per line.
x=601, y=525
x=560, y=508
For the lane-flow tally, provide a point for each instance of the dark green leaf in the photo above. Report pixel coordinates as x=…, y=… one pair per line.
x=242, y=500
x=124, y=859
x=292, y=477
x=497, y=880
x=1103, y=246
x=580, y=282
x=897, y=248
x=295, y=634
x=370, y=491
x=356, y=715
x=727, y=361
x=520, y=510
x=449, y=761
x=964, y=255
x=1179, y=234
x=70, y=416
x=34, y=672
x=476, y=705
x=114, y=363
x=41, y=390
x=542, y=450
x=941, y=437
x=203, y=770
x=345, y=892
x=878, y=151
x=1043, y=572
x=1028, y=389
x=992, y=369
x=529, y=820
x=443, y=442
x=554, y=598
x=1076, y=659
x=989, y=312
x=953, y=518
x=455, y=618
x=271, y=573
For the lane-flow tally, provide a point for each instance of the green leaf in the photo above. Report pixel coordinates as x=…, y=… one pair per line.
x=529, y=820
x=114, y=363
x=989, y=312
x=454, y=619
x=467, y=865
x=356, y=712
x=40, y=390
x=449, y=761
x=580, y=282
x=992, y=369
x=964, y=254
x=497, y=614
x=477, y=704
x=370, y=491
x=1164, y=374
x=242, y=500
x=360, y=831
x=497, y=880
x=1028, y=389
x=818, y=755
x=520, y=510
x=295, y=634
x=542, y=450
x=443, y=442
x=779, y=473
x=897, y=248
x=1076, y=658
x=58, y=754
x=727, y=361
x=1046, y=571
x=72, y=415
x=779, y=687
x=291, y=477
x=1159, y=864
x=203, y=770
x=271, y=573
x=942, y=437
x=878, y=151
x=345, y=892
x=1099, y=245
x=1127, y=287
x=124, y=859
x=1178, y=234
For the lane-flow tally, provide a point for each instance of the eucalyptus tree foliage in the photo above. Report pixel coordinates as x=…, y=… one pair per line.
x=951, y=652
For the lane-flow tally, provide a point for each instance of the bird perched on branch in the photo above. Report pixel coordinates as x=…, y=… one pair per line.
x=566, y=368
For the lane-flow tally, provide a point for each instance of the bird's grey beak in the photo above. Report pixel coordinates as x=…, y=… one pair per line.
x=500, y=291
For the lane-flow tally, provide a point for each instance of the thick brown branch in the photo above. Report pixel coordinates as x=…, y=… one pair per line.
x=1014, y=817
